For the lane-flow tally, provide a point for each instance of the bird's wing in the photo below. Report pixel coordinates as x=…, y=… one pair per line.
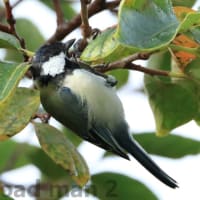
x=74, y=115
x=76, y=118
x=105, y=139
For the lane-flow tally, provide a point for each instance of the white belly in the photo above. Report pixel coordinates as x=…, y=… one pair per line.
x=103, y=103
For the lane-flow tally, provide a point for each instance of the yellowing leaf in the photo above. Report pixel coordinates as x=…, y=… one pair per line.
x=182, y=11
x=184, y=58
x=17, y=112
x=10, y=75
x=62, y=152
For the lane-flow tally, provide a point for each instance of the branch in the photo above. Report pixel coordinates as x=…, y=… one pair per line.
x=86, y=29
x=4, y=28
x=59, y=14
x=95, y=7
x=11, y=25
x=123, y=63
x=126, y=63
x=3, y=13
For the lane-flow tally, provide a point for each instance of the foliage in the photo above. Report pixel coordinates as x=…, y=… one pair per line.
x=166, y=33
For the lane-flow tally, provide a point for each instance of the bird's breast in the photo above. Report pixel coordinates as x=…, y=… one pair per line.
x=103, y=103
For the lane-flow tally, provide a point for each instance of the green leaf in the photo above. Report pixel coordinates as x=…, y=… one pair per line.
x=25, y=28
x=133, y=29
x=186, y=3
x=67, y=9
x=52, y=174
x=190, y=21
x=113, y=186
x=161, y=61
x=193, y=71
x=99, y=50
x=172, y=146
x=10, y=75
x=194, y=33
x=76, y=140
x=62, y=152
x=17, y=112
x=47, y=166
x=133, y=34
x=14, y=155
x=121, y=76
x=5, y=197
x=173, y=104
x=8, y=41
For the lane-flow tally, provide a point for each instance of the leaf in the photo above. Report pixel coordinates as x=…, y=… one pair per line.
x=52, y=174
x=17, y=112
x=133, y=34
x=184, y=58
x=113, y=186
x=121, y=77
x=33, y=41
x=188, y=18
x=133, y=29
x=47, y=166
x=172, y=146
x=99, y=50
x=173, y=104
x=8, y=41
x=186, y=3
x=10, y=75
x=76, y=140
x=193, y=71
x=14, y=155
x=62, y=152
x=5, y=197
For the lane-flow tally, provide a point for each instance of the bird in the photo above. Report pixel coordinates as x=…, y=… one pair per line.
x=86, y=102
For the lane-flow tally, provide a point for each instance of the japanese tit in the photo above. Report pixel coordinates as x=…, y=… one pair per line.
x=87, y=103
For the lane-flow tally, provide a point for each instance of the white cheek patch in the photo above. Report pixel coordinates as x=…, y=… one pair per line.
x=55, y=65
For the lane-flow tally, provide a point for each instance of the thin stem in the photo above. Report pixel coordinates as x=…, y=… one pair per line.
x=59, y=14
x=11, y=28
x=95, y=7
x=86, y=29
x=4, y=28
x=126, y=63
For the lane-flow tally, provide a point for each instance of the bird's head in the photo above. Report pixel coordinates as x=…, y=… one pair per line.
x=51, y=60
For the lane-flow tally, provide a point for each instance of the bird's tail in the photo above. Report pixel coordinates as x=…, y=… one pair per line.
x=139, y=154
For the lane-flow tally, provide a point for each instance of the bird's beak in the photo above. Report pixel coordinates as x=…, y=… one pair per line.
x=69, y=43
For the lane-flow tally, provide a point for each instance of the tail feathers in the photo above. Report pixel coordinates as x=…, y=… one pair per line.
x=139, y=154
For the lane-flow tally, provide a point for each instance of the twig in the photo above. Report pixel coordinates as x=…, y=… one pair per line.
x=59, y=14
x=4, y=28
x=11, y=26
x=3, y=13
x=9, y=16
x=123, y=62
x=126, y=63
x=95, y=7
x=146, y=70
x=86, y=29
